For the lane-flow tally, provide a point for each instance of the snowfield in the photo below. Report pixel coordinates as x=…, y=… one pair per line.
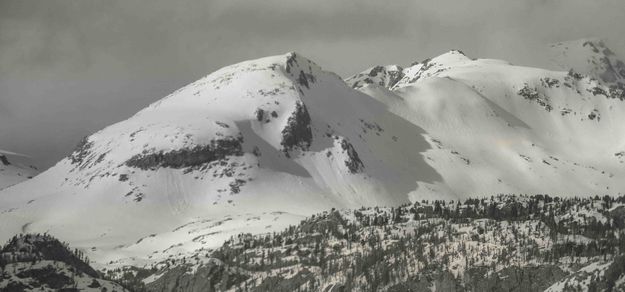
x=259, y=145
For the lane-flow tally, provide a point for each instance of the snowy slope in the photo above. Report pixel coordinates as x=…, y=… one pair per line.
x=499, y=128
x=12, y=171
x=257, y=146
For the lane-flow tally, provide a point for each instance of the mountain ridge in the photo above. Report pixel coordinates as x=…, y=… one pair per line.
x=259, y=145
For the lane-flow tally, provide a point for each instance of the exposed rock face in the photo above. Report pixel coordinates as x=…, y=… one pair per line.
x=614, y=71
x=183, y=158
x=291, y=61
x=81, y=152
x=301, y=69
x=385, y=76
x=617, y=91
x=4, y=160
x=305, y=78
x=532, y=94
x=297, y=133
x=260, y=113
x=393, y=75
x=353, y=163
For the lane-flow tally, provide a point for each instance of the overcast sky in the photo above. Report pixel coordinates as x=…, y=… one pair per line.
x=71, y=67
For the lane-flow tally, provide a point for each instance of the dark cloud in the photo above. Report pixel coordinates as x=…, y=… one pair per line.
x=69, y=68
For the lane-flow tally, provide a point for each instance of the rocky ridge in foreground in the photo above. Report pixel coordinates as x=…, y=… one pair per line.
x=39, y=262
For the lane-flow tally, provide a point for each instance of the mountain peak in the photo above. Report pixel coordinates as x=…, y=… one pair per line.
x=450, y=58
x=295, y=58
x=385, y=76
x=390, y=75
x=270, y=76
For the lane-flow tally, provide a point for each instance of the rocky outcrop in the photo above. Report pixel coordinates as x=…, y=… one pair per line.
x=532, y=94
x=31, y=247
x=385, y=76
x=4, y=160
x=353, y=162
x=297, y=133
x=41, y=262
x=81, y=152
x=188, y=157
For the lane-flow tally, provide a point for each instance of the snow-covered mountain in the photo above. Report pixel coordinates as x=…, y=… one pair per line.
x=258, y=145
x=252, y=147
x=13, y=172
x=499, y=128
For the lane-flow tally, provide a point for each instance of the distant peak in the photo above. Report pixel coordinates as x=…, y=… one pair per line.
x=598, y=46
x=594, y=45
x=456, y=51
x=385, y=76
x=287, y=60
x=451, y=56
x=587, y=47
x=294, y=58
x=589, y=56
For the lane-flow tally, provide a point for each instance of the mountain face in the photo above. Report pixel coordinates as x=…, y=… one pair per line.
x=12, y=172
x=499, y=128
x=252, y=147
x=385, y=76
x=259, y=145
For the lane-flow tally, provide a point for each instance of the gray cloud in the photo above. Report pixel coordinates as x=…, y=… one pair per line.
x=69, y=68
